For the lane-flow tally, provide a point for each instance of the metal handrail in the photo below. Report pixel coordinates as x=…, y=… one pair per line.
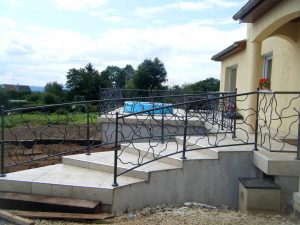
x=216, y=115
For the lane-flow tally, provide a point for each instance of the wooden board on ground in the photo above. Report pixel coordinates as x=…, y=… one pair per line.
x=59, y=203
x=11, y=217
x=57, y=215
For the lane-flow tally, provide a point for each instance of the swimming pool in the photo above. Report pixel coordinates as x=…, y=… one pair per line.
x=133, y=107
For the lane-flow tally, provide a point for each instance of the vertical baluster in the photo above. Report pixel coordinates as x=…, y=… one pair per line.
x=2, y=174
x=234, y=115
x=162, y=125
x=88, y=147
x=185, y=127
x=256, y=119
x=115, y=184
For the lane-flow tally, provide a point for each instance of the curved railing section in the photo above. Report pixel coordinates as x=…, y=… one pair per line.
x=165, y=125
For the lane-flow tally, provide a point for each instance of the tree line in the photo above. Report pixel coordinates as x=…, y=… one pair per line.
x=85, y=83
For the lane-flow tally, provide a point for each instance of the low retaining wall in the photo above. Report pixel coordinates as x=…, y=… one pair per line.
x=213, y=182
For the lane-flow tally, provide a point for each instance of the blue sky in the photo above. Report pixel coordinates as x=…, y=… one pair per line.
x=42, y=40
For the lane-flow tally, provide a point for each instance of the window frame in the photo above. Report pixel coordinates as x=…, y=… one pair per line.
x=267, y=58
x=230, y=76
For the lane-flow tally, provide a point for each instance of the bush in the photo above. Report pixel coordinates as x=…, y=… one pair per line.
x=34, y=97
x=50, y=98
x=3, y=97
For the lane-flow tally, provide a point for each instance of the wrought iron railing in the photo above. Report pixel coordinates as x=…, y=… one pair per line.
x=267, y=120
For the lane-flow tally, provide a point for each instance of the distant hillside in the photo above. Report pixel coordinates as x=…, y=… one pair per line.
x=37, y=89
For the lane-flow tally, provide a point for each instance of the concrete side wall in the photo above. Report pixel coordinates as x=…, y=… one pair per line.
x=288, y=185
x=212, y=182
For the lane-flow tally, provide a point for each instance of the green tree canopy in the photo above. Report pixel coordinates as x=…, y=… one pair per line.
x=150, y=75
x=84, y=82
x=117, y=76
x=114, y=75
x=54, y=88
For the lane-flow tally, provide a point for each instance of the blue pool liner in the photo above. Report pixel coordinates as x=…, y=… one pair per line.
x=134, y=107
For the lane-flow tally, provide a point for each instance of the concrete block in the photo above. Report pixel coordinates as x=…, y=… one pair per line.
x=256, y=194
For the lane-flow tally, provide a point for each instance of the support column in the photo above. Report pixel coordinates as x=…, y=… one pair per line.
x=255, y=63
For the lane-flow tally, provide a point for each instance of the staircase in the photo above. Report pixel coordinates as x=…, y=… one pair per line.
x=208, y=176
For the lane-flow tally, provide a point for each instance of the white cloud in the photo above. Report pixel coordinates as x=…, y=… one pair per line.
x=7, y=23
x=108, y=16
x=79, y=5
x=187, y=6
x=185, y=49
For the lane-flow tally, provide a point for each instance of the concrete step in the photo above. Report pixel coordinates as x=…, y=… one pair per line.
x=104, y=161
x=67, y=181
x=157, y=150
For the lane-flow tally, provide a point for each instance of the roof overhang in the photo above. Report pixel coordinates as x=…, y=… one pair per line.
x=231, y=50
x=254, y=9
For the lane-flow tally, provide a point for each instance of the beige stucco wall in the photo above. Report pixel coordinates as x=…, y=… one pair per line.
x=271, y=33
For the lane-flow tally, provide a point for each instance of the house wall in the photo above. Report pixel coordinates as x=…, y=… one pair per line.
x=271, y=33
x=285, y=77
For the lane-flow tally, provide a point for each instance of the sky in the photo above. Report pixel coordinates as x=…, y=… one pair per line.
x=42, y=40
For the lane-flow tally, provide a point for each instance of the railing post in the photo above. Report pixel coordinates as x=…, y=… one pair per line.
x=115, y=184
x=185, y=127
x=162, y=126
x=256, y=120
x=298, y=145
x=88, y=147
x=2, y=174
x=213, y=105
x=222, y=114
x=234, y=116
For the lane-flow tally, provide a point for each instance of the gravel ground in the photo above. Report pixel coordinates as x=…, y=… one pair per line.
x=189, y=213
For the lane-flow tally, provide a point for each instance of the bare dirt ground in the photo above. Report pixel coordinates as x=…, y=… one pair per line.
x=187, y=215
x=33, y=144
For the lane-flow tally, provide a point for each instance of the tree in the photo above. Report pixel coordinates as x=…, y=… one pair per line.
x=115, y=76
x=128, y=71
x=54, y=88
x=84, y=82
x=150, y=75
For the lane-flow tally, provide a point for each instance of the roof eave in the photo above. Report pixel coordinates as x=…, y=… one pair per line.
x=233, y=49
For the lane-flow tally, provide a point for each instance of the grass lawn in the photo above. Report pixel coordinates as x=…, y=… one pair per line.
x=40, y=118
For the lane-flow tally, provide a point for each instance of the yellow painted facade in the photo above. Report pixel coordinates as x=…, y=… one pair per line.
x=275, y=34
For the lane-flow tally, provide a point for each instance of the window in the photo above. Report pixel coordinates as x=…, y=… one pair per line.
x=268, y=66
x=231, y=85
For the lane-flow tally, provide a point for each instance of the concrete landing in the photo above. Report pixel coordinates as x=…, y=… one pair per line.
x=210, y=143
x=277, y=163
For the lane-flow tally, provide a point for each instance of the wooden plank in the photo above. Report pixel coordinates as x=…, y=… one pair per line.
x=11, y=217
x=58, y=215
x=33, y=198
